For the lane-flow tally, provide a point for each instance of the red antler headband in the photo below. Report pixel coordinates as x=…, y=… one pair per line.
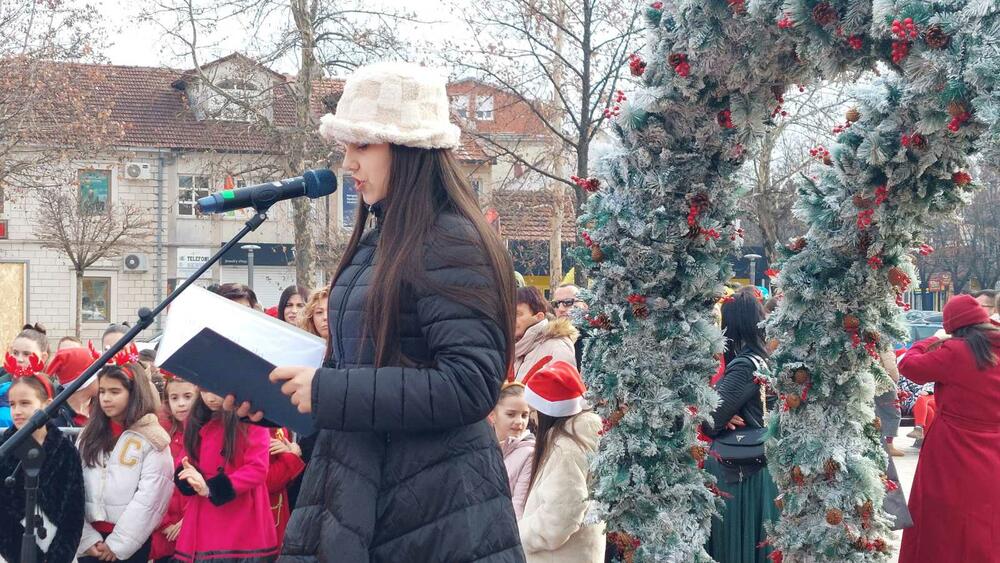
x=33, y=369
x=128, y=355
x=93, y=351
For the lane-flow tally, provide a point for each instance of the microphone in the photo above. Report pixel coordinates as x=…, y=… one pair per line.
x=312, y=183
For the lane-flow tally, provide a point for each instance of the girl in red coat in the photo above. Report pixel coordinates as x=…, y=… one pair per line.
x=286, y=465
x=955, y=499
x=228, y=516
x=179, y=397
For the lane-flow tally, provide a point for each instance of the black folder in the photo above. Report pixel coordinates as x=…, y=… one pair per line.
x=217, y=364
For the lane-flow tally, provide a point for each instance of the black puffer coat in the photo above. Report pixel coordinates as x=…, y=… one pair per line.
x=60, y=496
x=405, y=468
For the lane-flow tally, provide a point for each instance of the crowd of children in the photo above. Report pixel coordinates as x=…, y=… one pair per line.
x=163, y=473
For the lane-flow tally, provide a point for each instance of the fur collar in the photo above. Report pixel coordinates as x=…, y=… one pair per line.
x=149, y=428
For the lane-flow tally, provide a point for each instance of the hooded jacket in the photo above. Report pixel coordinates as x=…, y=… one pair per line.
x=518, y=453
x=130, y=487
x=556, y=338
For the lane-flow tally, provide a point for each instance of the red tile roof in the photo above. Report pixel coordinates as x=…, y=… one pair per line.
x=511, y=115
x=527, y=214
x=151, y=105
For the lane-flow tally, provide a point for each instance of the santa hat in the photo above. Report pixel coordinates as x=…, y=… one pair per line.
x=962, y=311
x=69, y=363
x=555, y=390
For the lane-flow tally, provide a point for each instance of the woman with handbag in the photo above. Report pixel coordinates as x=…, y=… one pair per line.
x=738, y=429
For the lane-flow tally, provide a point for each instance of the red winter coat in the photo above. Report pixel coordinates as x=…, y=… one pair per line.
x=175, y=510
x=234, y=522
x=955, y=500
x=284, y=468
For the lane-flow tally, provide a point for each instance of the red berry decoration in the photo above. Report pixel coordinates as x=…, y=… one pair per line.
x=899, y=51
x=961, y=178
x=725, y=119
x=738, y=6
x=656, y=5
x=636, y=65
x=786, y=22
x=856, y=42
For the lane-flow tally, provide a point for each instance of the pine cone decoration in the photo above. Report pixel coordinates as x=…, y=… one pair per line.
x=793, y=401
x=596, y=254
x=827, y=160
x=797, y=476
x=830, y=469
x=851, y=323
x=936, y=38
x=779, y=502
x=675, y=59
x=699, y=453
x=853, y=115
x=801, y=376
x=834, y=517
x=956, y=108
x=877, y=423
x=825, y=14
x=862, y=202
x=918, y=141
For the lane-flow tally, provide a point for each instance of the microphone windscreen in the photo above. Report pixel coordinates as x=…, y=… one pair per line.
x=320, y=182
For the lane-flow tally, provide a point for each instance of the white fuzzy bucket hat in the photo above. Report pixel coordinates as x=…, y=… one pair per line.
x=398, y=103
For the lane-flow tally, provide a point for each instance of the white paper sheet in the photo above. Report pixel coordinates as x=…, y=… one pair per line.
x=276, y=341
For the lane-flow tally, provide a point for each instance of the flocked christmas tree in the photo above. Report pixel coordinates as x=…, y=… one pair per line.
x=660, y=231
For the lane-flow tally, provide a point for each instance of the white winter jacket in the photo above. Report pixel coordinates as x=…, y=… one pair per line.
x=130, y=488
x=552, y=528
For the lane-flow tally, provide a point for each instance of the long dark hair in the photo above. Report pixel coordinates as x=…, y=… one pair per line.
x=982, y=339
x=741, y=318
x=287, y=294
x=200, y=414
x=97, y=438
x=423, y=183
x=549, y=428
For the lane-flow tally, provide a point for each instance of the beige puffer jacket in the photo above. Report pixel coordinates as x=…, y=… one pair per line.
x=552, y=528
x=547, y=338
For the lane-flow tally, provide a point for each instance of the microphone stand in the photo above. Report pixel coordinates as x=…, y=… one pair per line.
x=31, y=454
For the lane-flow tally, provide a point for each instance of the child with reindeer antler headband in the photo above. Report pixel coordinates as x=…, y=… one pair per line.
x=60, y=491
x=127, y=466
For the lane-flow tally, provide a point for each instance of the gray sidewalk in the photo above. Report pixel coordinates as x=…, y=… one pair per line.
x=906, y=467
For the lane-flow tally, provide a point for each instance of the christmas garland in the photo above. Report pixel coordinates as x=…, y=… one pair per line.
x=660, y=231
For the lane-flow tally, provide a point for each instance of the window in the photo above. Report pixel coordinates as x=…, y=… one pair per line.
x=95, y=300
x=477, y=186
x=94, y=188
x=189, y=190
x=484, y=108
x=460, y=105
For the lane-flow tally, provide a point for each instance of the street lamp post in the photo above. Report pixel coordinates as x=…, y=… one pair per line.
x=753, y=266
x=250, y=248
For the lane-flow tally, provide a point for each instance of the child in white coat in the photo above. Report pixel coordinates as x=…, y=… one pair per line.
x=127, y=467
x=552, y=527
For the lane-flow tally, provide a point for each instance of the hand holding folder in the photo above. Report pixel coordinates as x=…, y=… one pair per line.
x=230, y=349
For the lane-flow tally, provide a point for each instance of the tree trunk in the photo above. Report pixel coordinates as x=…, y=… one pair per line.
x=583, y=130
x=303, y=12
x=555, y=241
x=79, y=303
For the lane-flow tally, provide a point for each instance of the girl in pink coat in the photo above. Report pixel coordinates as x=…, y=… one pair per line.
x=955, y=499
x=510, y=422
x=225, y=474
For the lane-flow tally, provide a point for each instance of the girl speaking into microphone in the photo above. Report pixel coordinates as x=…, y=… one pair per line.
x=421, y=315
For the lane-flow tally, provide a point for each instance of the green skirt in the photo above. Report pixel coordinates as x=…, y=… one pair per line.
x=736, y=537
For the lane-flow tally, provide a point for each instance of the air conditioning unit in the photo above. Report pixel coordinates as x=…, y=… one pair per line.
x=135, y=262
x=138, y=171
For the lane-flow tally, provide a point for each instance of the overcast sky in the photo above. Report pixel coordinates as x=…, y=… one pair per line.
x=133, y=42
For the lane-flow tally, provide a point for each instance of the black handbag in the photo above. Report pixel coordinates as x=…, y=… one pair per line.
x=743, y=449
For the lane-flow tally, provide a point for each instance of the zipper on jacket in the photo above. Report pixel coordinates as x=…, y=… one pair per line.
x=343, y=303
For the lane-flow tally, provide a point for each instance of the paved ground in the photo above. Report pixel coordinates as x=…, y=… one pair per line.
x=906, y=466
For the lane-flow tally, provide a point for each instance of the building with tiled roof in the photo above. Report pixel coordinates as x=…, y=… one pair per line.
x=179, y=141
